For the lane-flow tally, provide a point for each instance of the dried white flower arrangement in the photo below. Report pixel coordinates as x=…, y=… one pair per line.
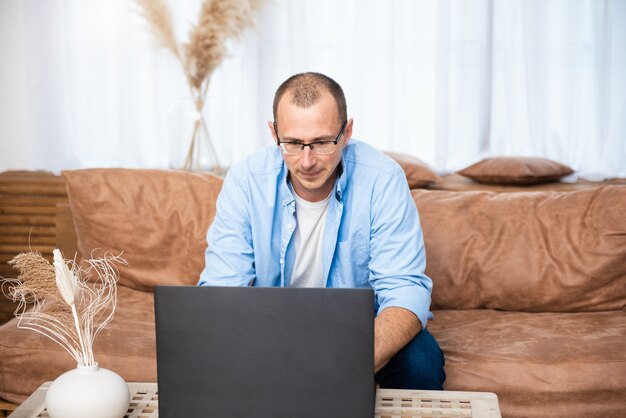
x=219, y=21
x=70, y=305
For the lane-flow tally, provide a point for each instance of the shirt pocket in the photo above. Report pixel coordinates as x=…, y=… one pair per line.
x=352, y=263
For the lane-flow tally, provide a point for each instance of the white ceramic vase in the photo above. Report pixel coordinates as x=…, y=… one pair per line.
x=88, y=391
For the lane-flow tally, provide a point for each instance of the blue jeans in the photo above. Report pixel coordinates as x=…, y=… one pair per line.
x=419, y=365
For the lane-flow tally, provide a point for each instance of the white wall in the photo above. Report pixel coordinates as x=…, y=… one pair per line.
x=82, y=86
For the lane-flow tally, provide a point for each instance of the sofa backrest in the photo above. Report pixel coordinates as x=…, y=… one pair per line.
x=157, y=220
x=65, y=233
x=522, y=251
x=526, y=251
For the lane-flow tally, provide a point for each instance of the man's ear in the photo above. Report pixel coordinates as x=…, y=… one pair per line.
x=270, y=125
x=347, y=132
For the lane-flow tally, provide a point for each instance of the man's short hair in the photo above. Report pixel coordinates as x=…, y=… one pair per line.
x=307, y=89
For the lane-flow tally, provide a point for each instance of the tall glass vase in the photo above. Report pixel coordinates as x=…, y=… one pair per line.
x=201, y=138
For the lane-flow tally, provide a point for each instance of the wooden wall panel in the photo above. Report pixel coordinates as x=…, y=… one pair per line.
x=28, y=201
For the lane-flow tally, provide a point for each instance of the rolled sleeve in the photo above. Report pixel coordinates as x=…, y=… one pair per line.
x=398, y=258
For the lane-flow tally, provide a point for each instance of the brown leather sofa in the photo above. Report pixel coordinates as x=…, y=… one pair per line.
x=529, y=295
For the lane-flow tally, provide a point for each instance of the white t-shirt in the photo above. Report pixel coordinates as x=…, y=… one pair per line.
x=309, y=233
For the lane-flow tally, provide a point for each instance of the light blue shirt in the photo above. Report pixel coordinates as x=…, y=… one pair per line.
x=372, y=237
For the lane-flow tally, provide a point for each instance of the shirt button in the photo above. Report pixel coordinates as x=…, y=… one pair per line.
x=290, y=226
x=282, y=261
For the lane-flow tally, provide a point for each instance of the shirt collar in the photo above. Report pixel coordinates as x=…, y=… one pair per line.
x=342, y=178
x=340, y=183
x=284, y=186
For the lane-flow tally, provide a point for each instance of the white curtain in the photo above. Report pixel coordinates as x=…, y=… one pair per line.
x=448, y=81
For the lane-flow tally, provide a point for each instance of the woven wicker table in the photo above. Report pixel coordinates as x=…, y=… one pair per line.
x=390, y=403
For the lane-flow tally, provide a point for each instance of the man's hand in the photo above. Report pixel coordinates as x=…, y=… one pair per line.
x=394, y=327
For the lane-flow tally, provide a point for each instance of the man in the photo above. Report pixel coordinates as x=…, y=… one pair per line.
x=319, y=210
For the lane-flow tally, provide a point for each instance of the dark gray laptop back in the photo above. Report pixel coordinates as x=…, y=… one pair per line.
x=265, y=352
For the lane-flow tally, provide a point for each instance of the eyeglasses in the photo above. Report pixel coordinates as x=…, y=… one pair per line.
x=318, y=147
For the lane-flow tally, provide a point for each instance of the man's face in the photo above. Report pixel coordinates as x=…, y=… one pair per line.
x=312, y=175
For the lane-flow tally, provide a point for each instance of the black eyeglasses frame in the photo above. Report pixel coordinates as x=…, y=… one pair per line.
x=312, y=144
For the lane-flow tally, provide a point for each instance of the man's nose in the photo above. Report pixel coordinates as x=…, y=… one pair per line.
x=307, y=159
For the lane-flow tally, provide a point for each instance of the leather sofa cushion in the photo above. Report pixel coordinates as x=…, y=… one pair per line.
x=539, y=364
x=157, y=218
x=126, y=346
x=516, y=170
x=418, y=173
x=526, y=251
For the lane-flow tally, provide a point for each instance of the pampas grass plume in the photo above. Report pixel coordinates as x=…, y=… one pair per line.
x=219, y=20
x=157, y=13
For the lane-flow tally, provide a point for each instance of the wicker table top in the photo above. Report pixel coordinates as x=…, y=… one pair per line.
x=390, y=403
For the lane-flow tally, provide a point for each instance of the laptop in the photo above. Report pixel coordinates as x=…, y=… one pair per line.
x=265, y=352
